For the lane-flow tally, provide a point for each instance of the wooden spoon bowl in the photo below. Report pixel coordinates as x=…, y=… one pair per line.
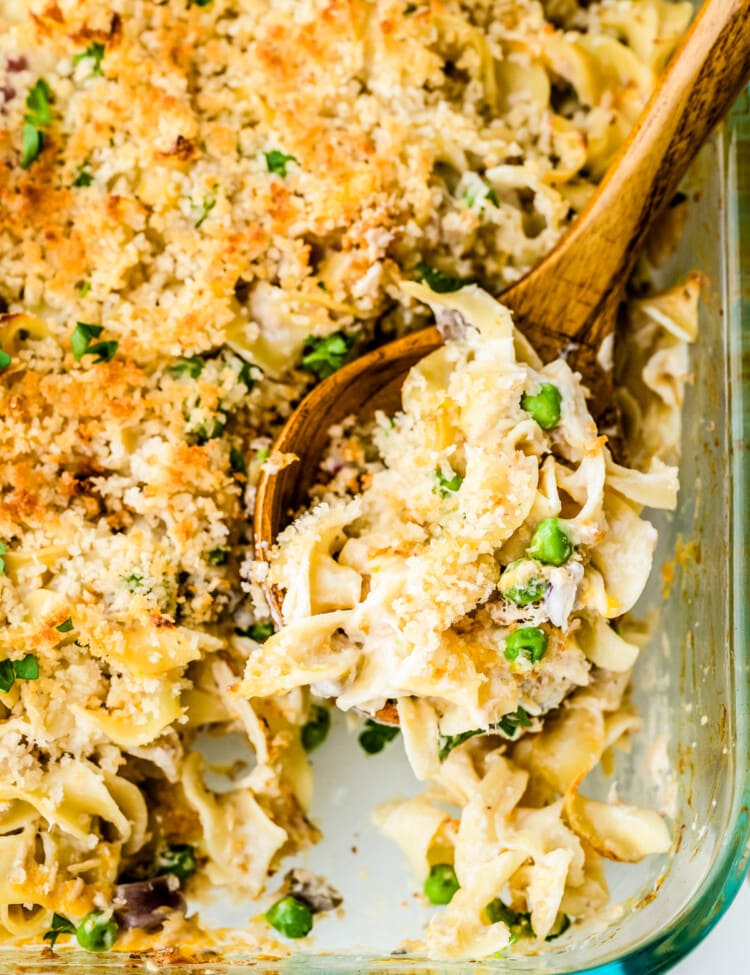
x=568, y=304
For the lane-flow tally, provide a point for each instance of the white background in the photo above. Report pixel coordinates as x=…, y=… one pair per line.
x=726, y=951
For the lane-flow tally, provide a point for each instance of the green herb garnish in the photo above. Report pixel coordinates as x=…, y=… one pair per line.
x=7, y=675
x=245, y=376
x=438, y=280
x=277, y=161
x=60, y=925
x=200, y=211
x=5, y=360
x=94, y=52
x=83, y=288
x=3, y=551
x=36, y=119
x=446, y=485
x=65, y=627
x=134, y=581
x=237, y=461
x=376, y=736
x=218, y=556
x=27, y=668
x=510, y=723
x=210, y=430
x=192, y=366
x=478, y=194
x=83, y=176
x=80, y=343
x=446, y=743
x=324, y=356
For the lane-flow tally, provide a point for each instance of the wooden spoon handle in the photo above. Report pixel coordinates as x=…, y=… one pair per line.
x=592, y=262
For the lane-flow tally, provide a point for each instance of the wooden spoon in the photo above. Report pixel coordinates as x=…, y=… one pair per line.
x=568, y=303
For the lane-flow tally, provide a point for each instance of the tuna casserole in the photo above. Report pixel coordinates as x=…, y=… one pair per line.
x=206, y=206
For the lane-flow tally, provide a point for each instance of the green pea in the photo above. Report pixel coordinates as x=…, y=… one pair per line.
x=550, y=543
x=97, y=931
x=441, y=884
x=544, y=406
x=376, y=736
x=290, y=917
x=315, y=730
x=524, y=590
x=528, y=642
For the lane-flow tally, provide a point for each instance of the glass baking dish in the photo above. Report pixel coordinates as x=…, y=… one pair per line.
x=691, y=686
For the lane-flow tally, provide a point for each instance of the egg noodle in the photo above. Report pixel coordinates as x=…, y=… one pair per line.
x=206, y=206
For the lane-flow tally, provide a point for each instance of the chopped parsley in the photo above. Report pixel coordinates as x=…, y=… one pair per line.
x=245, y=376
x=200, y=211
x=218, y=556
x=438, y=280
x=508, y=724
x=210, y=430
x=36, y=119
x=192, y=366
x=27, y=668
x=277, y=161
x=376, y=736
x=198, y=3
x=84, y=176
x=446, y=743
x=95, y=53
x=262, y=454
x=5, y=360
x=3, y=551
x=65, y=627
x=259, y=632
x=7, y=675
x=559, y=929
x=476, y=195
x=237, y=461
x=324, y=356
x=134, y=581
x=80, y=343
x=446, y=485
x=83, y=288
x=60, y=925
